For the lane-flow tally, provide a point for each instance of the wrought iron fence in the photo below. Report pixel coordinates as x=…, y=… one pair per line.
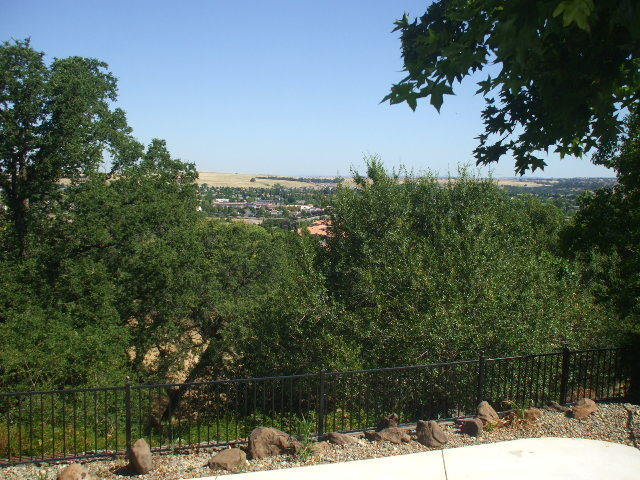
x=98, y=422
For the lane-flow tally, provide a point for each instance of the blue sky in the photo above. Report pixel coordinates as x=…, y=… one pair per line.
x=279, y=86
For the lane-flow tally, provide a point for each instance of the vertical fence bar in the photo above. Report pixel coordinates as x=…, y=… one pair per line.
x=564, y=379
x=482, y=361
x=321, y=402
x=127, y=415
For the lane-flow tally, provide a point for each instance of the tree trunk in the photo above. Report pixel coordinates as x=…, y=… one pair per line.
x=18, y=204
x=176, y=395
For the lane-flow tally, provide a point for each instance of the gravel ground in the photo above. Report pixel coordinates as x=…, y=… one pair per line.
x=613, y=422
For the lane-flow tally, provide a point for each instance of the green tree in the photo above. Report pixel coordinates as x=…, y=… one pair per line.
x=111, y=274
x=295, y=326
x=565, y=69
x=604, y=235
x=434, y=272
x=56, y=121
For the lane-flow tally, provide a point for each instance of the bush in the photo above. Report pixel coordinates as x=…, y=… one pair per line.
x=431, y=271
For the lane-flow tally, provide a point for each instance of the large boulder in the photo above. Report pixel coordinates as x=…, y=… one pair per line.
x=340, y=438
x=140, y=459
x=267, y=442
x=583, y=408
x=487, y=413
x=430, y=434
x=230, y=459
x=390, y=434
x=471, y=427
x=75, y=471
x=389, y=421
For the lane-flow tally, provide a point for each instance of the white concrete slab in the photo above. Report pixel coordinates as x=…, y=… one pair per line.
x=425, y=466
x=531, y=458
x=544, y=458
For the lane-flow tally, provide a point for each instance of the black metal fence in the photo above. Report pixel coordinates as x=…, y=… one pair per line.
x=98, y=422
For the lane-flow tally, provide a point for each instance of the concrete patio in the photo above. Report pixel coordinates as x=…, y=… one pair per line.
x=531, y=458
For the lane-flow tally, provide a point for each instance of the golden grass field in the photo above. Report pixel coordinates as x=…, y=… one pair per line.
x=243, y=180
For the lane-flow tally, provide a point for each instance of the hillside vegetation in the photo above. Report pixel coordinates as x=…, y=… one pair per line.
x=117, y=273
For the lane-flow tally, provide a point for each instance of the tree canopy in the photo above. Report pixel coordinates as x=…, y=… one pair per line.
x=123, y=276
x=56, y=120
x=565, y=70
x=430, y=271
x=604, y=235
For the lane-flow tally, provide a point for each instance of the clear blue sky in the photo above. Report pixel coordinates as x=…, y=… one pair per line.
x=277, y=86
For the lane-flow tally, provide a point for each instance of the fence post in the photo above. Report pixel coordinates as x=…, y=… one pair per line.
x=481, y=372
x=127, y=414
x=321, y=407
x=564, y=379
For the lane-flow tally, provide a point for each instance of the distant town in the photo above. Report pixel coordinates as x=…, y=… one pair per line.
x=294, y=203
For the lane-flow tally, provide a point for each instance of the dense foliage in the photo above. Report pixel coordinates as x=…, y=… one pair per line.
x=604, y=235
x=565, y=69
x=118, y=274
x=437, y=271
x=57, y=122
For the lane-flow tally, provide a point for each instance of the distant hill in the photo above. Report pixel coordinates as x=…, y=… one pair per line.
x=245, y=180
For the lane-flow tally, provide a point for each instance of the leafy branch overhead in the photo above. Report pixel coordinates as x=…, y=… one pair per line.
x=558, y=73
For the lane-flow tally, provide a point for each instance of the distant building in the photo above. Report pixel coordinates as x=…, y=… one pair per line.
x=319, y=228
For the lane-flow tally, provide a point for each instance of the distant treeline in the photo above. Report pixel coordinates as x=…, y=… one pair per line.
x=565, y=193
x=335, y=180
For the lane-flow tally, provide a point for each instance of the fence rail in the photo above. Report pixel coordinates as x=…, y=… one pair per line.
x=97, y=422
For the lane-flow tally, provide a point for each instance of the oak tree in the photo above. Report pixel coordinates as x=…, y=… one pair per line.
x=56, y=121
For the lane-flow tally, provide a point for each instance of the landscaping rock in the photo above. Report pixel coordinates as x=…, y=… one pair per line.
x=487, y=413
x=140, y=459
x=390, y=434
x=267, y=442
x=340, y=438
x=230, y=459
x=532, y=414
x=583, y=408
x=612, y=422
x=472, y=427
x=321, y=447
x=430, y=434
x=75, y=471
x=388, y=422
x=555, y=406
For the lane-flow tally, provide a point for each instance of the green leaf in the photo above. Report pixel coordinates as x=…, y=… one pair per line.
x=437, y=92
x=575, y=11
x=413, y=103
